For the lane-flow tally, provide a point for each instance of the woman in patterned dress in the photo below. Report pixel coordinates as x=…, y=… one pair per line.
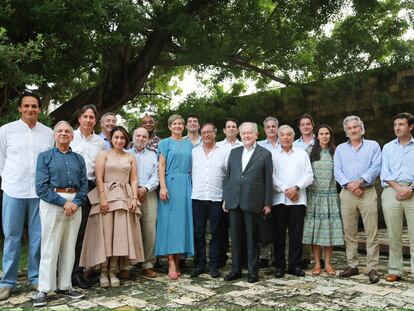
x=323, y=224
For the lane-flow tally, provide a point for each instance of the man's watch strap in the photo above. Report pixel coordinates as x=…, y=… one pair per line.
x=297, y=188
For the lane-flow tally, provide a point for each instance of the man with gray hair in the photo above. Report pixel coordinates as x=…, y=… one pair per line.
x=292, y=173
x=357, y=163
x=61, y=184
x=148, y=181
x=108, y=122
x=271, y=143
x=247, y=194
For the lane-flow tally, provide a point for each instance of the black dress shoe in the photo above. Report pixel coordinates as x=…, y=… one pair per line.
x=297, y=272
x=253, y=278
x=215, y=273
x=77, y=280
x=373, y=276
x=197, y=271
x=232, y=276
x=279, y=273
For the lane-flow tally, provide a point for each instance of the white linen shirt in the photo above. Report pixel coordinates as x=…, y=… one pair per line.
x=291, y=169
x=89, y=149
x=208, y=172
x=20, y=146
x=225, y=143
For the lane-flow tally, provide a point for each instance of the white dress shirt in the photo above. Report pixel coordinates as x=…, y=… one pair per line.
x=89, y=149
x=208, y=172
x=291, y=169
x=147, y=167
x=19, y=147
x=247, y=154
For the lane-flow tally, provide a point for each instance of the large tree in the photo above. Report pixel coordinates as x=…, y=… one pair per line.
x=117, y=52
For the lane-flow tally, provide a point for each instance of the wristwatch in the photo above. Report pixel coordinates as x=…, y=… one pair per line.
x=361, y=180
x=411, y=186
x=297, y=188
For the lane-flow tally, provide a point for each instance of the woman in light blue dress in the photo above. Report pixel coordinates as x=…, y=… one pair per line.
x=175, y=218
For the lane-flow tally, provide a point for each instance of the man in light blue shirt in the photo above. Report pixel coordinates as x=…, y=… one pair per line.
x=305, y=125
x=357, y=163
x=147, y=166
x=397, y=178
x=108, y=122
x=270, y=125
x=271, y=143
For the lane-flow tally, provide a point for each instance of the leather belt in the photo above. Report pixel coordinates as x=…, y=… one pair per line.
x=66, y=190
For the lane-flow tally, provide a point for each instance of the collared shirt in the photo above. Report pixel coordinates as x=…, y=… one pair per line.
x=397, y=162
x=107, y=143
x=299, y=143
x=226, y=144
x=351, y=164
x=265, y=143
x=198, y=142
x=56, y=169
x=153, y=142
x=20, y=146
x=147, y=168
x=291, y=169
x=208, y=172
x=89, y=149
x=247, y=154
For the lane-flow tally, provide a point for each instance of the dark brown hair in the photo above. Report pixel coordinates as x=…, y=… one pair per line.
x=315, y=154
x=121, y=129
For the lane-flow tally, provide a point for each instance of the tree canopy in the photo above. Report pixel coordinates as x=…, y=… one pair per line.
x=123, y=53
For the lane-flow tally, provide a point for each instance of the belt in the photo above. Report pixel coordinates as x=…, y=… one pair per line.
x=66, y=190
x=365, y=187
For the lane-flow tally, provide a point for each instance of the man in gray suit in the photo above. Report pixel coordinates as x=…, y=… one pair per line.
x=247, y=193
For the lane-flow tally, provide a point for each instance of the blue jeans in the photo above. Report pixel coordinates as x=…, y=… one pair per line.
x=14, y=214
x=203, y=210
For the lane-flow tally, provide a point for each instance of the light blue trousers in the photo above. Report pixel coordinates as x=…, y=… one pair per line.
x=15, y=212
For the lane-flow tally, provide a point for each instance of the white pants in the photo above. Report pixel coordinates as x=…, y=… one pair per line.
x=59, y=234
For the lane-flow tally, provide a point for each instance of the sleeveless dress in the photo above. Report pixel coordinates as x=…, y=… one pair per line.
x=175, y=216
x=118, y=232
x=323, y=223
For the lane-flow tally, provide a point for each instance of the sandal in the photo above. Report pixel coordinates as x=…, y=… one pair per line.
x=173, y=276
x=331, y=271
x=316, y=271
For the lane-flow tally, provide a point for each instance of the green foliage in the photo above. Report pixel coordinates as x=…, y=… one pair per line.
x=68, y=46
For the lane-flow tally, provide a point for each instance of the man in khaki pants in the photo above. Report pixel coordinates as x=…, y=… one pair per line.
x=397, y=177
x=147, y=166
x=357, y=163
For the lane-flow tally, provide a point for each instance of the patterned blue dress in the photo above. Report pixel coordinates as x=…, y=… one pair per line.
x=175, y=216
x=323, y=222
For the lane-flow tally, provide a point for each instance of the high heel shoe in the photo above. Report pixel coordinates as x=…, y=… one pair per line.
x=316, y=271
x=331, y=271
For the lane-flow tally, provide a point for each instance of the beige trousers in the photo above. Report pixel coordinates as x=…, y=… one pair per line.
x=351, y=207
x=393, y=214
x=148, y=228
x=59, y=234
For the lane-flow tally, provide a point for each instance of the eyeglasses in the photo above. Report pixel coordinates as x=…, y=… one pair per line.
x=207, y=132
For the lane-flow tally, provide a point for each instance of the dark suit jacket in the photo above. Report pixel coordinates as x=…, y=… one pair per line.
x=252, y=188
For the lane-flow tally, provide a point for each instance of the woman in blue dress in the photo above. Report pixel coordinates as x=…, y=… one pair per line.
x=175, y=218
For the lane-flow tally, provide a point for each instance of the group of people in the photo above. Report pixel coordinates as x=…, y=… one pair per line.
x=98, y=201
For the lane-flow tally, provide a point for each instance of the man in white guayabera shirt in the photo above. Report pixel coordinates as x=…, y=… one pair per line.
x=292, y=173
x=21, y=142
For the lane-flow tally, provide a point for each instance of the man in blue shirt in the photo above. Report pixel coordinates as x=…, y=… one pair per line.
x=357, y=163
x=397, y=178
x=61, y=185
x=148, y=181
x=108, y=122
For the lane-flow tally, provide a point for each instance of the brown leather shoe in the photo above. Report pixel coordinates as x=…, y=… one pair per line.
x=149, y=273
x=373, y=276
x=348, y=272
x=392, y=278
